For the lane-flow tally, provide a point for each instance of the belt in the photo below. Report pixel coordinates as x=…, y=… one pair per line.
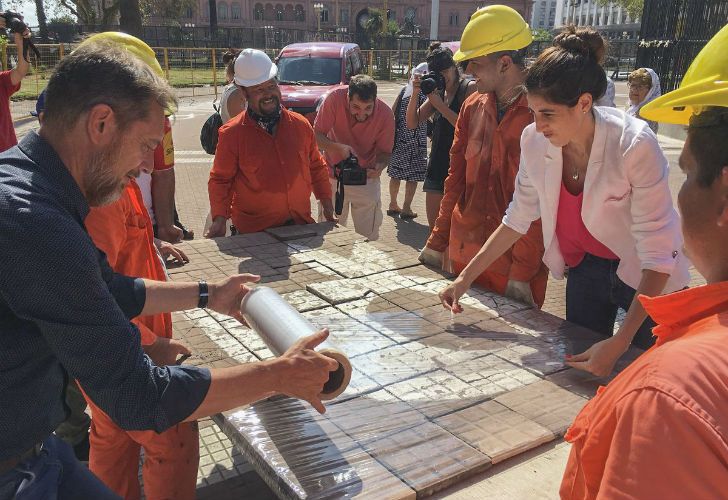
x=11, y=463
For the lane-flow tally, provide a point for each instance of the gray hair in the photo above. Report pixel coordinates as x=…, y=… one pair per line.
x=103, y=73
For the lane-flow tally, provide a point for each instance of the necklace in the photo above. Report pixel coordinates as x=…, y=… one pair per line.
x=575, y=175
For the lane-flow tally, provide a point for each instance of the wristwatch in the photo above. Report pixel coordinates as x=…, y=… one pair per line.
x=204, y=294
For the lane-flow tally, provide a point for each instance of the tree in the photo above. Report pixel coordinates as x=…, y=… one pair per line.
x=171, y=11
x=42, y=20
x=213, y=18
x=85, y=11
x=130, y=17
x=633, y=7
x=542, y=35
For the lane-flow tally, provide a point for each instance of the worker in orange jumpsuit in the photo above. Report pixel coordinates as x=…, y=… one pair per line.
x=484, y=161
x=123, y=230
x=267, y=162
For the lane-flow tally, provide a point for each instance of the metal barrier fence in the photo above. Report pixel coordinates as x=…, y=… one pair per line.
x=674, y=31
x=201, y=72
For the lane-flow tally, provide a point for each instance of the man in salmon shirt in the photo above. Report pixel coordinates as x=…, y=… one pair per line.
x=123, y=231
x=660, y=428
x=484, y=160
x=353, y=121
x=267, y=162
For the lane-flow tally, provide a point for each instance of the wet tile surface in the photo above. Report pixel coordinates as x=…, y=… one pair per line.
x=462, y=390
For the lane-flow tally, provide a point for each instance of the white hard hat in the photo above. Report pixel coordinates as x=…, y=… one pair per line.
x=253, y=67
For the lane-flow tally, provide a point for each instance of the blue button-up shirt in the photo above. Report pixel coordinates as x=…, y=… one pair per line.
x=64, y=312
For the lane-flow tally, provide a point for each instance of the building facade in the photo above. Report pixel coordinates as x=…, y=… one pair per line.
x=544, y=14
x=611, y=19
x=347, y=16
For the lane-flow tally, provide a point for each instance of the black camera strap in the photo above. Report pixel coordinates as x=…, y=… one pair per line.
x=339, y=198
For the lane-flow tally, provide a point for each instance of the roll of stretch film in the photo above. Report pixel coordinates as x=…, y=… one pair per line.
x=280, y=326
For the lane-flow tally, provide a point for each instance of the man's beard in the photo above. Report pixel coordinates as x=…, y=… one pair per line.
x=102, y=186
x=274, y=113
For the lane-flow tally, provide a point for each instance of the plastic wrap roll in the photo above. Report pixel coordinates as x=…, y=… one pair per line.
x=280, y=326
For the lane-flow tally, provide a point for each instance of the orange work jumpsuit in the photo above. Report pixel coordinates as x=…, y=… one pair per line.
x=123, y=231
x=484, y=161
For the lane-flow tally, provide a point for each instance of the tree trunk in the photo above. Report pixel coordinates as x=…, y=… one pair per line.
x=42, y=22
x=130, y=17
x=213, y=20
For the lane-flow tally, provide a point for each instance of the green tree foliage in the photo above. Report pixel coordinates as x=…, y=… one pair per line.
x=633, y=7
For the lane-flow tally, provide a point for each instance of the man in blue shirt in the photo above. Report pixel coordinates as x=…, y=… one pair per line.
x=63, y=311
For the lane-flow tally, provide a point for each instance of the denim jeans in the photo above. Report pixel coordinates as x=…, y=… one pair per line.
x=594, y=293
x=53, y=474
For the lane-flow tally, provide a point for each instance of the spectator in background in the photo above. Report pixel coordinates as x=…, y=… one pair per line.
x=353, y=121
x=266, y=163
x=232, y=101
x=443, y=107
x=10, y=84
x=409, y=156
x=644, y=86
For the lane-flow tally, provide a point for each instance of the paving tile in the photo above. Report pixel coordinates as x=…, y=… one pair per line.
x=350, y=336
x=495, y=430
x=428, y=458
x=436, y=393
x=371, y=305
x=303, y=300
x=251, y=341
x=412, y=299
x=491, y=375
x=338, y=291
x=546, y=404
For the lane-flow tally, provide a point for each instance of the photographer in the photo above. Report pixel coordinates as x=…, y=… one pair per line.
x=10, y=82
x=354, y=122
x=446, y=90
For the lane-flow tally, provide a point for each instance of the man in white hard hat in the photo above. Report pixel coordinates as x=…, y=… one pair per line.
x=484, y=160
x=267, y=162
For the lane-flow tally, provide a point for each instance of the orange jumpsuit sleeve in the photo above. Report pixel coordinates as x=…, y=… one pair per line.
x=319, y=170
x=454, y=184
x=148, y=337
x=527, y=254
x=222, y=176
x=660, y=448
x=107, y=227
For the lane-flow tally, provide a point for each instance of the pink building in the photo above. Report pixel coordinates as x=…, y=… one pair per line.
x=344, y=15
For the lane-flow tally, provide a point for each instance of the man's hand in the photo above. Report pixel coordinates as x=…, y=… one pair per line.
x=450, y=295
x=172, y=234
x=164, y=351
x=168, y=251
x=520, y=291
x=225, y=295
x=344, y=150
x=218, y=228
x=431, y=257
x=436, y=100
x=600, y=358
x=328, y=209
x=302, y=372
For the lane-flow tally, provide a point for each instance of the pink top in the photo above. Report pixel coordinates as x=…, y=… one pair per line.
x=574, y=238
x=367, y=139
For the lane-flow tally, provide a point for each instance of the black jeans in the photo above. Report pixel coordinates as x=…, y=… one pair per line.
x=594, y=293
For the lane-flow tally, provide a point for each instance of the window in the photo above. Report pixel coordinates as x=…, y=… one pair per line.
x=321, y=70
x=325, y=14
x=410, y=13
x=288, y=14
x=299, y=13
x=189, y=13
x=269, y=12
x=222, y=10
x=235, y=11
x=454, y=19
x=279, y=12
x=258, y=12
x=344, y=16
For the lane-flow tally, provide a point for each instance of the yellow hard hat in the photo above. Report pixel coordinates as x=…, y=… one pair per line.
x=705, y=84
x=131, y=43
x=492, y=29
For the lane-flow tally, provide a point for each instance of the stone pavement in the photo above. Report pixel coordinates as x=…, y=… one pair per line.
x=223, y=472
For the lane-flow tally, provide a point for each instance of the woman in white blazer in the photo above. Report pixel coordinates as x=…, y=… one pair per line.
x=598, y=180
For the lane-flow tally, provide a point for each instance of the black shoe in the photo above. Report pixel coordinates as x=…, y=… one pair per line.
x=81, y=450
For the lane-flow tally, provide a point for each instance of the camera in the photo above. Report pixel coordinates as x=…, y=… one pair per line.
x=14, y=22
x=350, y=173
x=432, y=81
x=347, y=173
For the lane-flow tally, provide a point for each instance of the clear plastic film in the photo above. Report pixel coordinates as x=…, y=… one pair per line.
x=433, y=398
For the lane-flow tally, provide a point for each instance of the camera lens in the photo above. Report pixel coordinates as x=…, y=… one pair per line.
x=428, y=85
